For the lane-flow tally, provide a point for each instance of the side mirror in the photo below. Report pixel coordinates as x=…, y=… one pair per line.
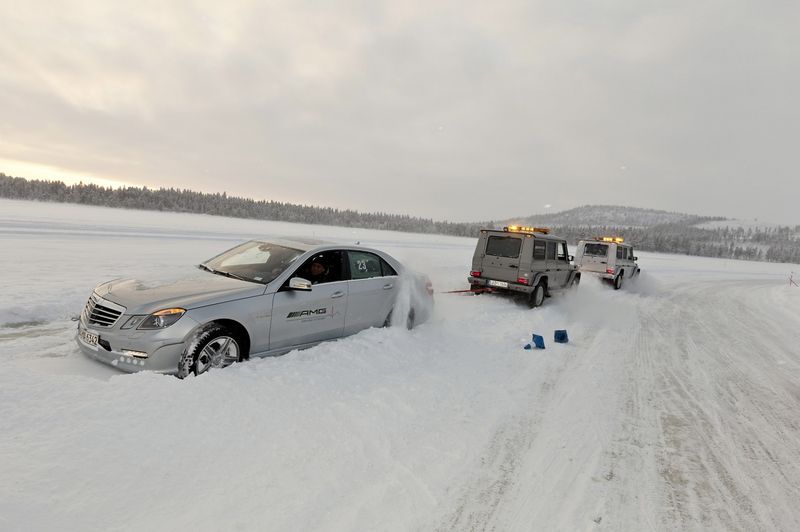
x=572, y=258
x=298, y=283
x=635, y=258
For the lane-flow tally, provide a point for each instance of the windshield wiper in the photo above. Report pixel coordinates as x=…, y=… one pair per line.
x=229, y=274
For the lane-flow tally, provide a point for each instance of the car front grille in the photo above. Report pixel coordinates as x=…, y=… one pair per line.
x=101, y=312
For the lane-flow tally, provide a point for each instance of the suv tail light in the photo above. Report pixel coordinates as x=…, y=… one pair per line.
x=429, y=288
x=475, y=274
x=522, y=280
x=610, y=270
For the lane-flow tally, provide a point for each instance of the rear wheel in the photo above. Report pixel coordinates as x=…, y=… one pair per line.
x=213, y=347
x=411, y=319
x=537, y=296
x=618, y=282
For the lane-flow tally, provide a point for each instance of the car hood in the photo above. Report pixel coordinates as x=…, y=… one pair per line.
x=197, y=289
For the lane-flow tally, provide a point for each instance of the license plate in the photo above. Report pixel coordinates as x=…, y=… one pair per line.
x=88, y=337
x=498, y=284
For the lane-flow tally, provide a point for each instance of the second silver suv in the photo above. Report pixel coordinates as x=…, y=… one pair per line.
x=527, y=261
x=609, y=258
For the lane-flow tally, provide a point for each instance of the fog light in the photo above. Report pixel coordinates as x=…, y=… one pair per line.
x=137, y=354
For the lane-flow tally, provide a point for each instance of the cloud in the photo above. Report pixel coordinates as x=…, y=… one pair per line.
x=447, y=110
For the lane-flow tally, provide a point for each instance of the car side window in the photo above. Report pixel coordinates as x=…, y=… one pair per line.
x=551, y=251
x=562, y=252
x=630, y=250
x=323, y=267
x=387, y=269
x=539, y=248
x=364, y=265
x=619, y=252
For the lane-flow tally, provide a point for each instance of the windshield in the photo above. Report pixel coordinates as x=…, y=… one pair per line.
x=259, y=262
x=596, y=250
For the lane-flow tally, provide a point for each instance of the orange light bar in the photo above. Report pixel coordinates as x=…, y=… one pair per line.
x=524, y=229
x=614, y=239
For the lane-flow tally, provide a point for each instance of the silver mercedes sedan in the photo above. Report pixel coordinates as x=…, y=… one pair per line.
x=261, y=298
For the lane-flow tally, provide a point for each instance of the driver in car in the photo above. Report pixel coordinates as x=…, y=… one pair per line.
x=317, y=272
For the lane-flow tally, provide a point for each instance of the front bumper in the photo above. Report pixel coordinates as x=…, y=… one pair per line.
x=163, y=347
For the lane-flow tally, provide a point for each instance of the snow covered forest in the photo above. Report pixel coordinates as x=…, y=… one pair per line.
x=647, y=229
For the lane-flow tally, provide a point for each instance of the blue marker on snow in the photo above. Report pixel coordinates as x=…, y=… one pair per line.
x=538, y=341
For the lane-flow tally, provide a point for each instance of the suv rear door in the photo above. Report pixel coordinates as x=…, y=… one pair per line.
x=595, y=257
x=501, y=257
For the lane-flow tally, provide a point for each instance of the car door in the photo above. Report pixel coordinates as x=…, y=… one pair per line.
x=304, y=317
x=554, y=272
x=539, y=263
x=371, y=291
x=562, y=260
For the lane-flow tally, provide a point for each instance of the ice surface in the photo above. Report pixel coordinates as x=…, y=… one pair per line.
x=674, y=406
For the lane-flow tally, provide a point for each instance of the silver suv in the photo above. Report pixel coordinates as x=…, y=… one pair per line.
x=526, y=261
x=258, y=299
x=609, y=258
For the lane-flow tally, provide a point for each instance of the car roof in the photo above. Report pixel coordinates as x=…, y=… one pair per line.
x=593, y=241
x=313, y=244
x=536, y=234
x=300, y=243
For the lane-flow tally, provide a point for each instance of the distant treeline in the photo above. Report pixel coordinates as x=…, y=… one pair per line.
x=175, y=200
x=777, y=244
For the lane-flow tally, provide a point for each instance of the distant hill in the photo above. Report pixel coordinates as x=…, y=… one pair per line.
x=612, y=216
x=672, y=232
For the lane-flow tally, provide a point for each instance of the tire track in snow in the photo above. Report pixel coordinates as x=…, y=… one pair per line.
x=726, y=418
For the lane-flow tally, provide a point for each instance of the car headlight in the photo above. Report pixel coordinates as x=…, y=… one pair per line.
x=157, y=320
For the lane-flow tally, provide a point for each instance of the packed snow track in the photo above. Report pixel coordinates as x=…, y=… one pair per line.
x=676, y=404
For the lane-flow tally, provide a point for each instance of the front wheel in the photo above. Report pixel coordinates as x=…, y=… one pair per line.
x=537, y=296
x=214, y=347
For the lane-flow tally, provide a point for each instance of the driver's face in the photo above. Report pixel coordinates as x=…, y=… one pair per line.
x=317, y=269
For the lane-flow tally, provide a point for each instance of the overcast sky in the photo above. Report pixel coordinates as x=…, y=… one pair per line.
x=450, y=110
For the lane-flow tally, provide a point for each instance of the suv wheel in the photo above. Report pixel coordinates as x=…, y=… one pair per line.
x=618, y=282
x=213, y=347
x=537, y=296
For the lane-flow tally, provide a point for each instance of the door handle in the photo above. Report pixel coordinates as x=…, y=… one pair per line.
x=512, y=266
x=388, y=286
x=337, y=294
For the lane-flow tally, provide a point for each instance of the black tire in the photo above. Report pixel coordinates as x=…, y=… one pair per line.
x=575, y=281
x=411, y=319
x=618, y=281
x=212, y=347
x=537, y=296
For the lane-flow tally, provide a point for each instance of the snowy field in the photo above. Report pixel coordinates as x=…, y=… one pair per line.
x=676, y=405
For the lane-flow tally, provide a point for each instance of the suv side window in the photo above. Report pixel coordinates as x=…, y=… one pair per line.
x=551, y=251
x=539, y=247
x=630, y=250
x=619, y=252
x=364, y=265
x=562, y=252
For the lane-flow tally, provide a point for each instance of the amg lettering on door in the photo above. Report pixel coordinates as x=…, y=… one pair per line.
x=320, y=312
